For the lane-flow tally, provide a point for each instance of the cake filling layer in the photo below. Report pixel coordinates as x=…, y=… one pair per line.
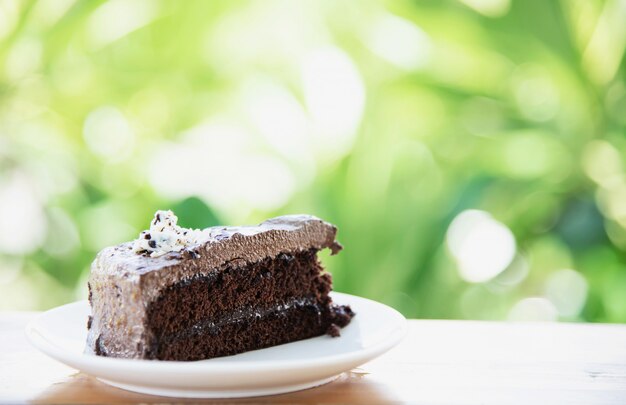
x=213, y=327
x=275, y=328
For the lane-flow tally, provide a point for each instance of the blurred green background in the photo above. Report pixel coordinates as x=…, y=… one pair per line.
x=471, y=152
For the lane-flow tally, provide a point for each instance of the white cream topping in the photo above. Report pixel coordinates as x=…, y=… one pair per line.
x=165, y=236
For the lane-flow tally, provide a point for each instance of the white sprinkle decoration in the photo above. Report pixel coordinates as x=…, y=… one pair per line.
x=165, y=236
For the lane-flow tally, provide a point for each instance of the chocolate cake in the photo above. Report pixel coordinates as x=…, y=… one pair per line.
x=183, y=294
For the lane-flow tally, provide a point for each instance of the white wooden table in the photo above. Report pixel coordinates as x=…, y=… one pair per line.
x=440, y=362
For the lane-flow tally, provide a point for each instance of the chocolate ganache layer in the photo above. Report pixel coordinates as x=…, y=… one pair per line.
x=182, y=294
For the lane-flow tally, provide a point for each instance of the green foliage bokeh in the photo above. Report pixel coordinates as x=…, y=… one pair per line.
x=513, y=108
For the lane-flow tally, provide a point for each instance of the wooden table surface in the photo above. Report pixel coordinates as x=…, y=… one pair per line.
x=439, y=362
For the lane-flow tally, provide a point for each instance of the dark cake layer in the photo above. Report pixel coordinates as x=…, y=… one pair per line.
x=235, y=287
x=243, y=334
x=242, y=307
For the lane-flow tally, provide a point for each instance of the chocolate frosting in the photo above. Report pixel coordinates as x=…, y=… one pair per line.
x=132, y=281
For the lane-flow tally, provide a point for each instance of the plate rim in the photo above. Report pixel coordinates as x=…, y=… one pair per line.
x=43, y=343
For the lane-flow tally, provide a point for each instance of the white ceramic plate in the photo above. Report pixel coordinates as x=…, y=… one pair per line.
x=61, y=333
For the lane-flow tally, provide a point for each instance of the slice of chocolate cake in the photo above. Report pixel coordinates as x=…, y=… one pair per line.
x=183, y=294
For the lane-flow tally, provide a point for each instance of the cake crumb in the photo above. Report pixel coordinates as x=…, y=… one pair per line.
x=333, y=330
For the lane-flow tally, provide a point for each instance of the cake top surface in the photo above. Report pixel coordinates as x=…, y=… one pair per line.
x=167, y=245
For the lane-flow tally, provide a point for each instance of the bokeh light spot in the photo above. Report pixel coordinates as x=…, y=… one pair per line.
x=400, y=42
x=22, y=220
x=482, y=246
x=23, y=59
x=489, y=8
x=108, y=134
x=9, y=11
x=334, y=94
x=601, y=161
x=281, y=119
x=536, y=94
x=567, y=290
x=117, y=18
x=535, y=309
x=10, y=269
x=216, y=162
